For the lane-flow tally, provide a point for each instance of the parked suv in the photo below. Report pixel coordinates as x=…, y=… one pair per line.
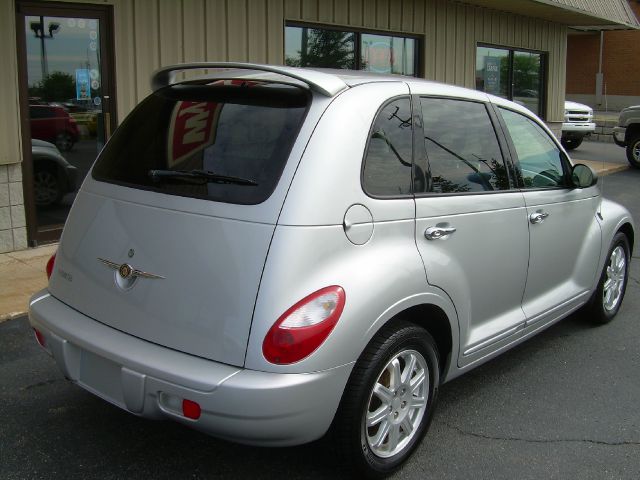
x=627, y=133
x=578, y=123
x=267, y=254
x=53, y=124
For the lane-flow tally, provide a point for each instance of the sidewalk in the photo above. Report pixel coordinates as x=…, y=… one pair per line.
x=23, y=273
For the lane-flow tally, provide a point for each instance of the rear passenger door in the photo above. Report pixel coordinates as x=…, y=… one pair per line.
x=471, y=223
x=564, y=234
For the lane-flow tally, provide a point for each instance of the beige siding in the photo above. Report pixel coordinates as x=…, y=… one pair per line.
x=9, y=107
x=151, y=33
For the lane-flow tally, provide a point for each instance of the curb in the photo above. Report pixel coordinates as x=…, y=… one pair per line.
x=11, y=316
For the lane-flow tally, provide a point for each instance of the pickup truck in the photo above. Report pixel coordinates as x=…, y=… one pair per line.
x=578, y=122
x=627, y=133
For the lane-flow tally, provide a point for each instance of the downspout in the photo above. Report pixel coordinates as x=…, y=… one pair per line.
x=599, y=75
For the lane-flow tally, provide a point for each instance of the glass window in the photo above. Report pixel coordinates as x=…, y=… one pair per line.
x=386, y=54
x=512, y=74
x=527, y=68
x=213, y=131
x=492, y=71
x=318, y=47
x=462, y=148
x=332, y=48
x=387, y=167
x=539, y=159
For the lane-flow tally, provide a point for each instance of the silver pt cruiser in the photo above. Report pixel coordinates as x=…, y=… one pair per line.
x=268, y=254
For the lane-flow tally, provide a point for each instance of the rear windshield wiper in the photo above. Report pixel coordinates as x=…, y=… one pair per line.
x=198, y=176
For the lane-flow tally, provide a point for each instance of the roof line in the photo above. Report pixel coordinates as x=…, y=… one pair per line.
x=631, y=21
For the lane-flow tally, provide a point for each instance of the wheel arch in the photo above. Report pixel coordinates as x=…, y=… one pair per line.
x=435, y=321
x=633, y=131
x=437, y=315
x=627, y=229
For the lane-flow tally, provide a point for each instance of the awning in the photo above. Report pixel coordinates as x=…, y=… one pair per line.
x=579, y=14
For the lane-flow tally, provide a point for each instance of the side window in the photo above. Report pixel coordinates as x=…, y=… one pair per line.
x=539, y=159
x=462, y=148
x=387, y=165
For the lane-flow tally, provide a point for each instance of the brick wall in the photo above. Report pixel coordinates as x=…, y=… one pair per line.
x=13, y=232
x=582, y=62
x=619, y=62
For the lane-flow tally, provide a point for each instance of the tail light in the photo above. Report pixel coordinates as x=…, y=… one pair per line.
x=303, y=328
x=50, y=264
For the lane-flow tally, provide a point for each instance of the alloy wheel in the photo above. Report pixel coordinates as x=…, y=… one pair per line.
x=397, y=404
x=614, y=284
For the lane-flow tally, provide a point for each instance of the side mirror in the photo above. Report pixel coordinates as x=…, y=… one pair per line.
x=583, y=176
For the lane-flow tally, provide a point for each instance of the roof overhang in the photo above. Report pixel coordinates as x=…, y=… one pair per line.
x=591, y=15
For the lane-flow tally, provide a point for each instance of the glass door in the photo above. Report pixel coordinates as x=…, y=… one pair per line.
x=66, y=110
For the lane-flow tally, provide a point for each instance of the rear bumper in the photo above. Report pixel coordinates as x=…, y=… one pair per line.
x=241, y=405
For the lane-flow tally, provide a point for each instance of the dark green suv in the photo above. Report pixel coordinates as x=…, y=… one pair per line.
x=627, y=133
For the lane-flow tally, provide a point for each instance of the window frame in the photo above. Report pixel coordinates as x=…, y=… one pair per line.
x=564, y=159
x=544, y=69
x=500, y=136
x=418, y=61
x=363, y=162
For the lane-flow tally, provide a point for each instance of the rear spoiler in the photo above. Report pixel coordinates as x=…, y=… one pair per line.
x=323, y=83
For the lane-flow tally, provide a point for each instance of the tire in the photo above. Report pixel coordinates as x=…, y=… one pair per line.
x=47, y=186
x=64, y=142
x=633, y=152
x=571, y=143
x=404, y=413
x=607, y=298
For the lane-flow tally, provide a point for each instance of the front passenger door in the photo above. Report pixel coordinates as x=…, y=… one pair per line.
x=564, y=234
x=471, y=227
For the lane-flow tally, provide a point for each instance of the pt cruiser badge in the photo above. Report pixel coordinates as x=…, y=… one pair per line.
x=126, y=271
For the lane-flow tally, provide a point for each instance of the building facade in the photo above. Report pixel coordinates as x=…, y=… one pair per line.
x=74, y=70
x=602, y=67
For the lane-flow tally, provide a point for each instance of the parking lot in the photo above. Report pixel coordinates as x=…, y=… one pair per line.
x=563, y=405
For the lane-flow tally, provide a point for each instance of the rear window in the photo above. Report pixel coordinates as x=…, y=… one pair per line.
x=226, y=141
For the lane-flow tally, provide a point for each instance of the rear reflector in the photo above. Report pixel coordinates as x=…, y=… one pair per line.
x=40, y=338
x=50, y=265
x=190, y=409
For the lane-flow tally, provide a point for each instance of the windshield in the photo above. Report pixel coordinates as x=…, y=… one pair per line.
x=229, y=129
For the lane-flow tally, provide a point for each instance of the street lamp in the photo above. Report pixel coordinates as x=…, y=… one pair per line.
x=38, y=30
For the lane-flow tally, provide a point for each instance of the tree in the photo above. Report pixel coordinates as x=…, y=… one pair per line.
x=324, y=48
x=55, y=87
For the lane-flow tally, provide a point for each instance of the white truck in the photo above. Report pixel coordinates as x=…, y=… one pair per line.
x=578, y=123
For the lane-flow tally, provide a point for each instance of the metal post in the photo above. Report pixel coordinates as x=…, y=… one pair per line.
x=599, y=75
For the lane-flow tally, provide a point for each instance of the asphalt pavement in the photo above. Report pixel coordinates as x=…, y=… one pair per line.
x=598, y=152
x=564, y=405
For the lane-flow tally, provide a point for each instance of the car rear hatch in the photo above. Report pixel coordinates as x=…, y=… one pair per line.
x=168, y=238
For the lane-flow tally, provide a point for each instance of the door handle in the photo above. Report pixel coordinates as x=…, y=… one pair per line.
x=438, y=233
x=538, y=217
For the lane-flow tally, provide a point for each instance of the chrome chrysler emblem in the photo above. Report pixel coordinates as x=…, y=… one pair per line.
x=127, y=271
